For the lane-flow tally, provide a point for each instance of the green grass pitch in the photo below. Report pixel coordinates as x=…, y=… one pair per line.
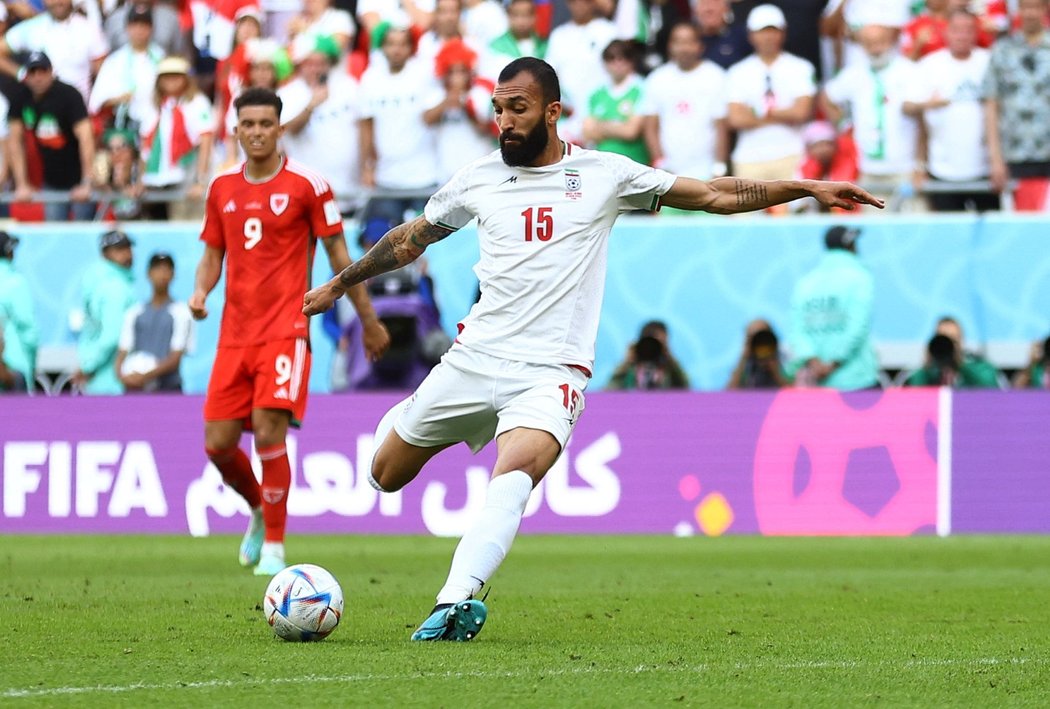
x=574, y=622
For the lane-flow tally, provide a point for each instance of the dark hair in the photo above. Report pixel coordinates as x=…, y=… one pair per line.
x=618, y=48
x=687, y=23
x=258, y=96
x=653, y=328
x=540, y=70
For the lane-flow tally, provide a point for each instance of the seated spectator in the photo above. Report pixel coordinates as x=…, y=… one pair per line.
x=117, y=171
x=1037, y=374
x=949, y=364
x=177, y=130
x=613, y=121
x=649, y=364
x=760, y=365
x=460, y=110
x=155, y=335
x=829, y=156
x=18, y=329
x=54, y=115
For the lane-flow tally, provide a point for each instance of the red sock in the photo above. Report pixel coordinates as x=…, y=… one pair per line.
x=276, y=480
x=237, y=472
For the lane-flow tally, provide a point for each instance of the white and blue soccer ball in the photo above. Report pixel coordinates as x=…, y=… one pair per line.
x=303, y=602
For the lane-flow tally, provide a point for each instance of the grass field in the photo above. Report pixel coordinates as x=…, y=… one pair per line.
x=574, y=622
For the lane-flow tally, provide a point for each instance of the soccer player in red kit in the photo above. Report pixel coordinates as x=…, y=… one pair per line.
x=264, y=218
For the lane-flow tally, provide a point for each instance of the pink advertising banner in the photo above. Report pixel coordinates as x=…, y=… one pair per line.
x=798, y=462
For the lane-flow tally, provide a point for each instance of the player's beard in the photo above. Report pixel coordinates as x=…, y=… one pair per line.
x=532, y=144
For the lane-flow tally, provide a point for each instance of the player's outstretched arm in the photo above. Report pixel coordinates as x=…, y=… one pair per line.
x=400, y=246
x=376, y=338
x=730, y=195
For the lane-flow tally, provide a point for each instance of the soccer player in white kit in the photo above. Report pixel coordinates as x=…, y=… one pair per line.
x=523, y=357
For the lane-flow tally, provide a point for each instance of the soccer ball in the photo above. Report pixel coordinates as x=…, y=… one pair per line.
x=303, y=602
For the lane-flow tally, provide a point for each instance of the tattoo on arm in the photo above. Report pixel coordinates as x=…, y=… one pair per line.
x=751, y=194
x=399, y=246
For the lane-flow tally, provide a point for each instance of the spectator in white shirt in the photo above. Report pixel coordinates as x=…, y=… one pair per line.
x=319, y=18
x=770, y=98
x=483, y=20
x=414, y=13
x=873, y=93
x=947, y=97
x=320, y=114
x=683, y=102
x=575, y=52
x=397, y=147
x=74, y=44
x=128, y=74
x=520, y=40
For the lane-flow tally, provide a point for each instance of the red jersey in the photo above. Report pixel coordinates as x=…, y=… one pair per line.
x=269, y=231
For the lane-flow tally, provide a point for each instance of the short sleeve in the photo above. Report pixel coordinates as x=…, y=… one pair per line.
x=127, y=331
x=647, y=104
x=77, y=107
x=447, y=207
x=182, y=327
x=17, y=36
x=838, y=89
x=990, y=86
x=325, y=218
x=637, y=186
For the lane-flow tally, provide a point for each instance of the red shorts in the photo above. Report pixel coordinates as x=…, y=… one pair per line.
x=273, y=375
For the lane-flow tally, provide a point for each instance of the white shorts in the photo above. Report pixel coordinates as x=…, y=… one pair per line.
x=474, y=397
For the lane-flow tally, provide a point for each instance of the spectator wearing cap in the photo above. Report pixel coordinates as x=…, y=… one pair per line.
x=946, y=96
x=894, y=15
x=770, y=98
x=683, y=102
x=460, y=110
x=873, y=93
x=75, y=42
x=127, y=76
x=155, y=335
x=176, y=128
x=54, y=114
x=108, y=293
x=320, y=114
x=397, y=146
x=18, y=331
x=166, y=32
x=831, y=311
x=614, y=123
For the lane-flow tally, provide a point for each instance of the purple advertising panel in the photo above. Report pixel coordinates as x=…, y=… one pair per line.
x=798, y=462
x=1000, y=462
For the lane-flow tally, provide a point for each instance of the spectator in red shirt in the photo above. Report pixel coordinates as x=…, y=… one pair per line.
x=926, y=33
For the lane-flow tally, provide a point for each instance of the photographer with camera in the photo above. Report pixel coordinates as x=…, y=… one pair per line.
x=1037, y=374
x=948, y=364
x=760, y=366
x=649, y=363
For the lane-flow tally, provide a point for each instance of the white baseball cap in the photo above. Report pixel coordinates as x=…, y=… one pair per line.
x=765, y=16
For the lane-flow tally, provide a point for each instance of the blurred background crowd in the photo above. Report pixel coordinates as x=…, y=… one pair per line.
x=121, y=110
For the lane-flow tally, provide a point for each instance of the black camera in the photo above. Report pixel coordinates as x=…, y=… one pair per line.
x=942, y=352
x=764, y=345
x=648, y=350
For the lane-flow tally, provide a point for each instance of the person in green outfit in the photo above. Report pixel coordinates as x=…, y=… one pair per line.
x=520, y=39
x=613, y=123
x=108, y=293
x=1037, y=374
x=649, y=363
x=949, y=364
x=18, y=330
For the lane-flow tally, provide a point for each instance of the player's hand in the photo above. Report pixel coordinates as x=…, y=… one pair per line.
x=844, y=195
x=197, y=307
x=321, y=299
x=376, y=339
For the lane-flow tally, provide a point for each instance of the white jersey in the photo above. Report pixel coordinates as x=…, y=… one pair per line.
x=543, y=233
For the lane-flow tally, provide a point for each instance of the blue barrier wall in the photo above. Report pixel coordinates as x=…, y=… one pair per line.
x=705, y=276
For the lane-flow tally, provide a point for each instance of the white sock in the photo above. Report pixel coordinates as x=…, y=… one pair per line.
x=483, y=548
x=273, y=549
x=382, y=431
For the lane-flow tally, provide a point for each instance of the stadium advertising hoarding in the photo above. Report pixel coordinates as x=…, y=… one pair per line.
x=798, y=462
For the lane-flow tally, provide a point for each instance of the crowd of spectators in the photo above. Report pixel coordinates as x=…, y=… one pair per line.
x=131, y=98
